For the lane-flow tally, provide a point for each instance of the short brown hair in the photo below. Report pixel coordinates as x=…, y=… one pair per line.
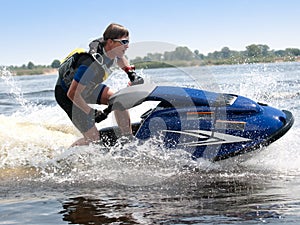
x=115, y=31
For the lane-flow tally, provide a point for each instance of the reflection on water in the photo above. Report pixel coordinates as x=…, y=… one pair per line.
x=82, y=210
x=188, y=199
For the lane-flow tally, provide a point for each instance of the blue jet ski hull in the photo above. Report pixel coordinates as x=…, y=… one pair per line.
x=207, y=124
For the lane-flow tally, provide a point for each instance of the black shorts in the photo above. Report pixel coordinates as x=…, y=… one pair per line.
x=82, y=121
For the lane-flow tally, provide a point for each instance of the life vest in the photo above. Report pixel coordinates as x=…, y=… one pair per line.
x=99, y=62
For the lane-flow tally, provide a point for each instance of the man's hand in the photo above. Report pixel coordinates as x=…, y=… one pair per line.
x=133, y=77
x=98, y=115
x=137, y=80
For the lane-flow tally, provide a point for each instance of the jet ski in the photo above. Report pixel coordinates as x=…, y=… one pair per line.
x=206, y=124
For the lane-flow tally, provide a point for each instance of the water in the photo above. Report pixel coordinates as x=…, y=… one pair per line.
x=43, y=181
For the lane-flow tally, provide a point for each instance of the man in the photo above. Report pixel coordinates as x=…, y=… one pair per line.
x=80, y=83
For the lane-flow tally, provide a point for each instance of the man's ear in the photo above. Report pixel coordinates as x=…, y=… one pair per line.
x=109, y=41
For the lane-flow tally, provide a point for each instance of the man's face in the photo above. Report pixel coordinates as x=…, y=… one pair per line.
x=117, y=47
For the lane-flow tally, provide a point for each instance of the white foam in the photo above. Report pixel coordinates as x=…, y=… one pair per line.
x=39, y=137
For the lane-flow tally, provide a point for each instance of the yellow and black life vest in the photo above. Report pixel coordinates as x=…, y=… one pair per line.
x=98, y=61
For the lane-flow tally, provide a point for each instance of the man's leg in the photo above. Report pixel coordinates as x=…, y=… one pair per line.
x=90, y=136
x=123, y=121
x=122, y=117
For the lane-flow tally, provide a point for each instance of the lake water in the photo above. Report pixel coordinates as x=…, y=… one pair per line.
x=43, y=181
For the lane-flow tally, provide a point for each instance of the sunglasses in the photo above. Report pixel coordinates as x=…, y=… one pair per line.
x=122, y=41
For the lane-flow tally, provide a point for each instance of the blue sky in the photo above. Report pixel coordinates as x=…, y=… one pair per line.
x=41, y=31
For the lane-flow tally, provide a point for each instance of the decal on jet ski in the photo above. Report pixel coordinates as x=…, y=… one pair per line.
x=208, y=138
x=199, y=115
x=230, y=125
x=220, y=124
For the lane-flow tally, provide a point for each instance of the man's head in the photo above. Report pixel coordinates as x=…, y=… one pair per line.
x=116, y=40
x=115, y=31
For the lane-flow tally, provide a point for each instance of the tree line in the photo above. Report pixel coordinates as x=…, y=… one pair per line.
x=30, y=65
x=183, y=56
x=31, y=68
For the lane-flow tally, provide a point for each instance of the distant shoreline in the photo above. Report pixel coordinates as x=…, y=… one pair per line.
x=184, y=63
x=147, y=65
x=40, y=71
x=184, y=57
